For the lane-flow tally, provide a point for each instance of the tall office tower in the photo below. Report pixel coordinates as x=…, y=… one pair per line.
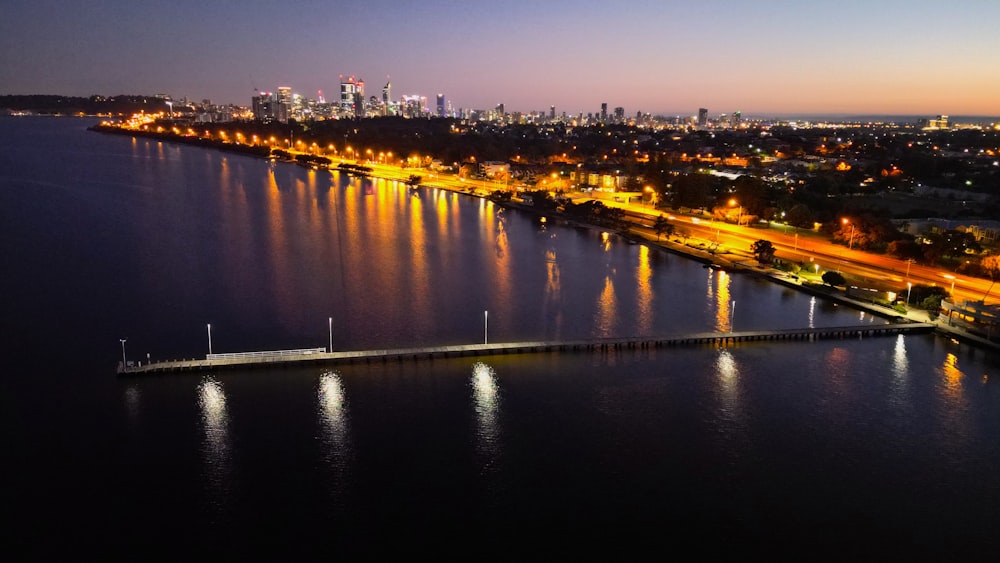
x=500, y=110
x=604, y=113
x=552, y=112
x=440, y=105
x=386, y=96
x=359, y=99
x=702, y=117
x=352, y=96
x=619, y=115
x=263, y=106
x=737, y=118
x=284, y=107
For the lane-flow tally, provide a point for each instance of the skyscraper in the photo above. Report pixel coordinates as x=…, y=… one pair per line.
x=263, y=106
x=604, y=112
x=284, y=107
x=552, y=112
x=702, y=117
x=386, y=97
x=440, y=105
x=352, y=96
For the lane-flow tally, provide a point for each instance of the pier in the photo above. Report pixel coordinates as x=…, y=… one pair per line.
x=320, y=356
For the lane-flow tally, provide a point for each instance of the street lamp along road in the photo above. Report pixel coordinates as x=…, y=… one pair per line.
x=850, y=242
x=739, y=215
x=952, y=278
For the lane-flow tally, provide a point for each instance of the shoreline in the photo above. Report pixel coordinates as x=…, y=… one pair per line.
x=628, y=233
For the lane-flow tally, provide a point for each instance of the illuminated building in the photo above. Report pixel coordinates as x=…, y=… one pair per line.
x=702, y=117
x=283, y=108
x=352, y=97
x=263, y=105
x=440, y=105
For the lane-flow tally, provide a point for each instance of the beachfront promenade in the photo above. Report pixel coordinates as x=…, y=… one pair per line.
x=320, y=356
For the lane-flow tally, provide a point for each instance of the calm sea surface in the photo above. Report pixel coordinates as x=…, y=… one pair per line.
x=845, y=450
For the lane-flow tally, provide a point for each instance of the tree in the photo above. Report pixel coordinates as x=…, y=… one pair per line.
x=692, y=190
x=663, y=227
x=833, y=278
x=800, y=216
x=763, y=250
x=905, y=248
x=991, y=265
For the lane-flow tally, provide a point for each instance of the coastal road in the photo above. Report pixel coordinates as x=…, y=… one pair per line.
x=810, y=248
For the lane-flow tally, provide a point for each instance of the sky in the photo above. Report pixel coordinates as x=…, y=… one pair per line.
x=766, y=58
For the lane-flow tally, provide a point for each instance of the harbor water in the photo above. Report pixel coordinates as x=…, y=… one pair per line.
x=119, y=248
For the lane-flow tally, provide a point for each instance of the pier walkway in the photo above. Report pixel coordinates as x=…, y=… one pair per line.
x=217, y=362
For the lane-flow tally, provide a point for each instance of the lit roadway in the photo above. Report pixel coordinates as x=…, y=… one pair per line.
x=809, y=248
x=791, y=244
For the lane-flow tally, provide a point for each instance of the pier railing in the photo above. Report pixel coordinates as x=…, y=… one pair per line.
x=265, y=354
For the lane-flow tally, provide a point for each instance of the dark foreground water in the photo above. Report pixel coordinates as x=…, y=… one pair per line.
x=884, y=448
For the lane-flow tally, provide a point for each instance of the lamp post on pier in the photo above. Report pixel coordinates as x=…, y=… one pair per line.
x=123, y=351
x=486, y=327
x=209, y=339
x=330, y=322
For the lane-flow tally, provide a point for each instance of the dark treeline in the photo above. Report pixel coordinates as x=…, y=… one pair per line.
x=93, y=105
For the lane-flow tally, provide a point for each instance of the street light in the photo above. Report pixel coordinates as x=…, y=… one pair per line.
x=739, y=215
x=850, y=243
x=486, y=327
x=952, y=278
x=909, y=286
x=209, y=339
x=330, y=322
x=123, y=351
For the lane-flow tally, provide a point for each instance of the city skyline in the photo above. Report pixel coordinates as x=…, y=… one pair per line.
x=892, y=58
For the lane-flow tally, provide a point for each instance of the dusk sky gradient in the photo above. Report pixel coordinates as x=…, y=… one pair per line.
x=766, y=59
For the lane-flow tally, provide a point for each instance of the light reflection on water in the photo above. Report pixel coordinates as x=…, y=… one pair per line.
x=216, y=447
x=486, y=399
x=644, y=292
x=334, y=429
x=606, y=312
x=132, y=397
x=718, y=294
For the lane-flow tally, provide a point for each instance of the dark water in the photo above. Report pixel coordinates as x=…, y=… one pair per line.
x=844, y=450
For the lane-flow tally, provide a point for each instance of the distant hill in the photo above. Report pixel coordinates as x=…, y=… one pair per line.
x=71, y=105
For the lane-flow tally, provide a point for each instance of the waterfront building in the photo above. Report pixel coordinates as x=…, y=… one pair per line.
x=974, y=316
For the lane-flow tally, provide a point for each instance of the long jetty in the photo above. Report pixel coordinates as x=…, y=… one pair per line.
x=218, y=362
